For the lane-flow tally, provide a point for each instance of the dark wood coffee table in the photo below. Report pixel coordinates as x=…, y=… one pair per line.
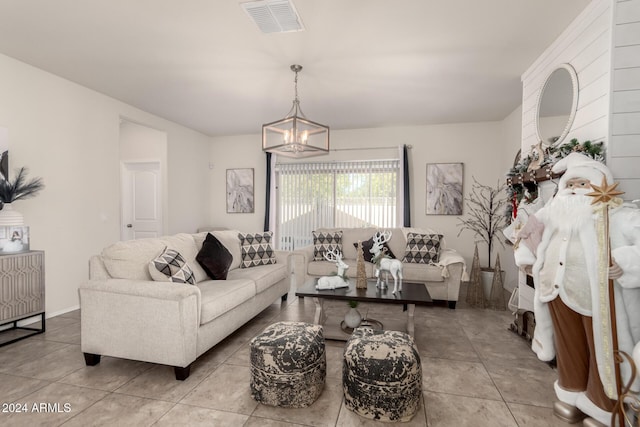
x=412, y=294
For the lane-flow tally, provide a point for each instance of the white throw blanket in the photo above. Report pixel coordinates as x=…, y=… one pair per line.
x=449, y=256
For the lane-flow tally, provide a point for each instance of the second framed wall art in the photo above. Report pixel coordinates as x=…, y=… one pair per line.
x=444, y=188
x=240, y=191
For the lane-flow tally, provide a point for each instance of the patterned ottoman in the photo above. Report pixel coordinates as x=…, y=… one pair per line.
x=288, y=364
x=382, y=375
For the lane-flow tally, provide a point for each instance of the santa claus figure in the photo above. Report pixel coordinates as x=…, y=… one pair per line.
x=561, y=246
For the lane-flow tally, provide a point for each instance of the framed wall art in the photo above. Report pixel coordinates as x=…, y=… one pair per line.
x=240, y=191
x=444, y=188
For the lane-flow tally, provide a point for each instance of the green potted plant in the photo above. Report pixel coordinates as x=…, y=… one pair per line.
x=13, y=190
x=486, y=219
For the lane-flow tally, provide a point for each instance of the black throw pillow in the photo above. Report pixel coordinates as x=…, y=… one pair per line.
x=214, y=258
x=366, y=248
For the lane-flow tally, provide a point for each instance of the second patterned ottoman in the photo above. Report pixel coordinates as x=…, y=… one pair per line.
x=382, y=375
x=288, y=364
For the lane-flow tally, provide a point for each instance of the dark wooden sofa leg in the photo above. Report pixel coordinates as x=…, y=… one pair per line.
x=182, y=373
x=284, y=297
x=91, y=359
x=452, y=305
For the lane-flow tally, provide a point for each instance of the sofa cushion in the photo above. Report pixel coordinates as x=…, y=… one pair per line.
x=256, y=249
x=326, y=268
x=221, y=296
x=264, y=276
x=412, y=272
x=230, y=240
x=324, y=242
x=170, y=266
x=351, y=236
x=422, y=248
x=214, y=258
x=129, y=259
x=366, y=249
x=186, y=245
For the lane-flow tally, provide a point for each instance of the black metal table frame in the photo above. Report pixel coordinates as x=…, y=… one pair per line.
x=34, y=331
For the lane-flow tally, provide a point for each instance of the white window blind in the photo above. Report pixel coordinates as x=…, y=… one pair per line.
x=336, y=194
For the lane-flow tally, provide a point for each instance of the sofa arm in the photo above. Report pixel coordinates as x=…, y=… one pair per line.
x=300, y=260
x=140, y=320
x=454, y=273
x=283, y=257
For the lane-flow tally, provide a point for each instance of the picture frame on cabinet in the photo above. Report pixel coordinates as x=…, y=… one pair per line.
x=14, y=239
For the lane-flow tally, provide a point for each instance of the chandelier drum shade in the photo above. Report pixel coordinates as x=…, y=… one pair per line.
x=295, y=135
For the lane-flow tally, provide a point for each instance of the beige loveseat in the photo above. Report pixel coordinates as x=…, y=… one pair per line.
x=442, y=279
x=128, y=315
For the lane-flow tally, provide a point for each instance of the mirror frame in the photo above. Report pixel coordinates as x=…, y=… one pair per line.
x=574, y=103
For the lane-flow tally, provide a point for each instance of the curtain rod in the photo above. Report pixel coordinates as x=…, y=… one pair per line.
x=370, y=148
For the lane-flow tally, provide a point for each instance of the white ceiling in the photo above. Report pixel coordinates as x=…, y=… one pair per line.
x=367, y=63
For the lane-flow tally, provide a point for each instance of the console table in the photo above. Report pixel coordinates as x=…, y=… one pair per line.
x=21, y=294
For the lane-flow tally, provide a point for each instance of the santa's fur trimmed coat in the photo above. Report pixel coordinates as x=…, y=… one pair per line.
x=624, y=229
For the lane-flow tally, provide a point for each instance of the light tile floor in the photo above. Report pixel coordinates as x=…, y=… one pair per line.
x=475, y=373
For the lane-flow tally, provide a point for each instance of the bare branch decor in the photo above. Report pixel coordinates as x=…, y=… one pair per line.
x=487, y=213
x=240, y=191
x=444, y=188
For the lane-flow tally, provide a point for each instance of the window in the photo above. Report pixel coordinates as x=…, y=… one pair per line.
x=336, y=194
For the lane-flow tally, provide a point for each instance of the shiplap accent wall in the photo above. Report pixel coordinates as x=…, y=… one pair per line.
x=624, y=133
x=586, y=45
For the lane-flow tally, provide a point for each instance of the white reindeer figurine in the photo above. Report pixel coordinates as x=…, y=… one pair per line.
x=337, y=281
x=385, y=263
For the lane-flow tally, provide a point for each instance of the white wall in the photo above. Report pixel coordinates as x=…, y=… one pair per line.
x=585, y=44
x=68, y=135
x=512, y=137
x=486, y=149
x=624, y=139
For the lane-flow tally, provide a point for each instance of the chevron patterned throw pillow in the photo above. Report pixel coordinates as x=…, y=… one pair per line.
x=256, y=249
x=170, y=266
x=422, y=248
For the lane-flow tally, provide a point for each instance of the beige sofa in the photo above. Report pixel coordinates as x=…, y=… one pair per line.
x=442, y=279
x=124, y=313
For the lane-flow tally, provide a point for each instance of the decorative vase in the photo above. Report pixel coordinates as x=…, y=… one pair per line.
x=353, y=318
x=10, y=217
x=487, y=280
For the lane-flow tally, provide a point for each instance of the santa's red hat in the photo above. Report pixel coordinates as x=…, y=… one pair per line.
x=578, y=165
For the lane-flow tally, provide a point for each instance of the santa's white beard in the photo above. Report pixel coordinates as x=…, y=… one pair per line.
x=570, y=209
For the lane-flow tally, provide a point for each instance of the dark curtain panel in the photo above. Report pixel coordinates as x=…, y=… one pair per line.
x=407, y=201
x=267, y=206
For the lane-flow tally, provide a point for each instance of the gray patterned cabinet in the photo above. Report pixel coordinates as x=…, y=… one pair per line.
x=21, y=294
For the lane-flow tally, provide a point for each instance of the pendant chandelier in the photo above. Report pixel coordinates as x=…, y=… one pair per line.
x=295, y=135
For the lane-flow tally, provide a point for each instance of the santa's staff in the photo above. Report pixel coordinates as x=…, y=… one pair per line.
x=606, y=196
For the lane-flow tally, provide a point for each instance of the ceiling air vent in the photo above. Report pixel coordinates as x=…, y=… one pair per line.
x=274, y=16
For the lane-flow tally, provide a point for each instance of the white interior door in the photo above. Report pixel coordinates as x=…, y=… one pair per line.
x=141, y=204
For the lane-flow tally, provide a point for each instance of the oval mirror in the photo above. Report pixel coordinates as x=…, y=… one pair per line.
x=557, y=105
